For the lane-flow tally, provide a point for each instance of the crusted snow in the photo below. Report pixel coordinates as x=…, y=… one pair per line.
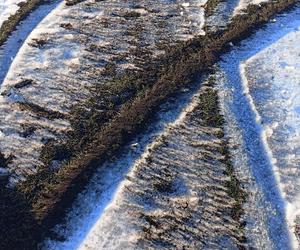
x=8, y=8
x=14, y=120
x=14, y=42
x=269, y=207
x=100, y=193
x=260, y=91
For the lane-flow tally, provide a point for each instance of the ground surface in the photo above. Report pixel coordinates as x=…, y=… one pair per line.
x=218, y=165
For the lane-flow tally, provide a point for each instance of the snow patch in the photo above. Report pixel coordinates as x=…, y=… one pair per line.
x=243, y=4
x=8, y=8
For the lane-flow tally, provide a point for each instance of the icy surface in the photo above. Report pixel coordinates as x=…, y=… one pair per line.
x=260, y=85
x=113, y=223
x=11, y=47
x=8, y=8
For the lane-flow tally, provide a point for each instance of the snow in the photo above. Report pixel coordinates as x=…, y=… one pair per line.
x=65, y=63
x=260, y=93
x=9, y=50
x=8, y=8
x=13, y=119
x=99, y=216
x=107, y=214
x=258, y=88
x=221, y=16
x=242, y=5
x=278, y=112
x=90, y=206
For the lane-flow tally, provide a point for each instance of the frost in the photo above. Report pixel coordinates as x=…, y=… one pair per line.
x=114, y=208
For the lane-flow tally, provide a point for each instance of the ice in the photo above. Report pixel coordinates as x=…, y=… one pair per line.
x=112, y=208
x=267, y=212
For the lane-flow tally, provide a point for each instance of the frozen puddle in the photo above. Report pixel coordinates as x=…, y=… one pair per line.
x=260, y=86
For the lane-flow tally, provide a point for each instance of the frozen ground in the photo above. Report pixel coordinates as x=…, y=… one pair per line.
x=174, y=194
x=258, y=94
x=8, y=8
x=66, y=55
x=126, y=204
x=261, y=102
x=222, y=15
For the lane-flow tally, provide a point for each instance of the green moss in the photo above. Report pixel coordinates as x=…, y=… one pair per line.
x=210, y=109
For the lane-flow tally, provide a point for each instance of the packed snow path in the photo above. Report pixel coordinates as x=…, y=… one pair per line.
x=260, y=86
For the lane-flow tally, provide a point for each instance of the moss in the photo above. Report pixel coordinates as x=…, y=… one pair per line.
x=210, y=109
x=211, y=117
